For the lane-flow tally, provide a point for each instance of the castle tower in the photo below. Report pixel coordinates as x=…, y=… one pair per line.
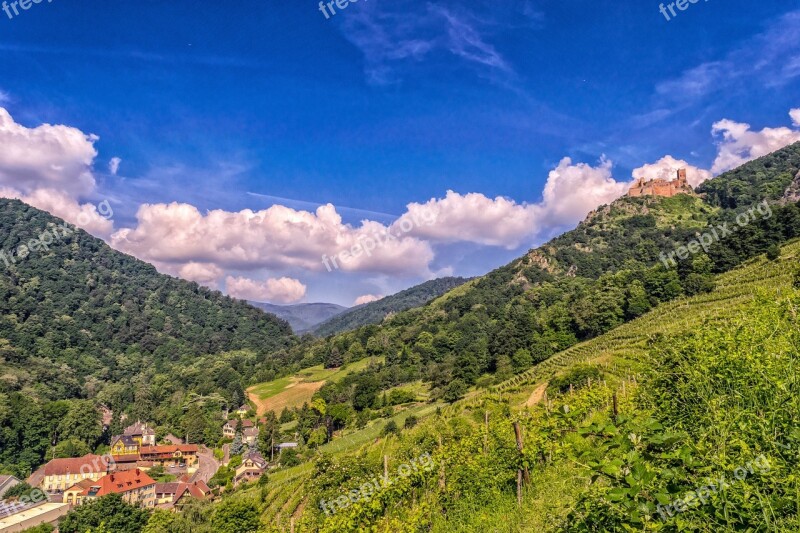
x=682, y=180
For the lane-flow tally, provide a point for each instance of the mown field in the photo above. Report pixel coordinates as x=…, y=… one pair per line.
x=293, y=391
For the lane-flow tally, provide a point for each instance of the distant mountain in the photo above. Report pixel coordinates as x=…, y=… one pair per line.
x=376, y=312
x=302, y=317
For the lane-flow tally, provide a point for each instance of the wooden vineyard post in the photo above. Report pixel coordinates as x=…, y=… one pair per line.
x=386, y=468
x=518, y=436
x=442, y=482
x=616, y=408
x=486, y=436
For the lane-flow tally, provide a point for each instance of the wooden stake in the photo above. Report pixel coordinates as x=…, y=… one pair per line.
x=518, y=435
x=486, y=436
x=386, y=468
x=616, y=408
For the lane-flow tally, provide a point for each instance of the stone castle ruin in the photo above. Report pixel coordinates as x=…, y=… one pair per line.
x=661, y=186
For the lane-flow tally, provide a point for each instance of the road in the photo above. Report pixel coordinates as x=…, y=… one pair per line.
x=207, y=465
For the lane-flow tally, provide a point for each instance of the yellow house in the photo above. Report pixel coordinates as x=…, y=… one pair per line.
x=73, y=495
x=60, y=474
x=125, y=445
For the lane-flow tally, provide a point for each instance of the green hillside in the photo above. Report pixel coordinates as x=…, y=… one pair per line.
x=80, y=321
x=703, y=385
x=609, y=270
x=376, y=312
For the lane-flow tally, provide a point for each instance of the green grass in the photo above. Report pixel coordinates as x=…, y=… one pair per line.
x=313, y=374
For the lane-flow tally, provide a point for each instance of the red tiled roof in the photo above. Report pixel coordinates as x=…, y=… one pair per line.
x=119, y=483
x=129, y=458
x=84, y=484
x=87, y=464
x=168, y=448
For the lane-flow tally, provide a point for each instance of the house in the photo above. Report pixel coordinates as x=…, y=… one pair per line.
x=229, y=430
x=243, y=410
x=250, y=436
x=170, y=495
x=135, y=487
x=170, y=455
x=252, y=467
x=6, y=482
x=60, y=474
x=141, y=432
x=73, y=494
x=125, y=445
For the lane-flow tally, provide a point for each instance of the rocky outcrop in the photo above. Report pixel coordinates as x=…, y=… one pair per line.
x=792, y=193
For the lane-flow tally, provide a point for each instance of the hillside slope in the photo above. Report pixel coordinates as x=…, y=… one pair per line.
x=302, y=317
x=376, y=312
x=69, y=313
x=693, y=379
x=586, y=282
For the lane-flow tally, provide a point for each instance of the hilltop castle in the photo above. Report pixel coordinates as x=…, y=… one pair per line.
x=662, y=187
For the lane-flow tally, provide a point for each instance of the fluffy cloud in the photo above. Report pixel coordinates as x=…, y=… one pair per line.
x=60, y=204
x=207, y=275
x=471, y=217
x=573, y=190
x=667, y=167
x=45, y=157
x=276, y=238
x=740, y=144
x=49, y=167
x=281, y=291
x=795, y=114
x=367, y=298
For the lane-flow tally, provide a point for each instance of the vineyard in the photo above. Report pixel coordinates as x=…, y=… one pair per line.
x=486, y=479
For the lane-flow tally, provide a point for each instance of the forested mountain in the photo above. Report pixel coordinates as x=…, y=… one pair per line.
x=376, y=312
x=80, y=320
x=302, y=317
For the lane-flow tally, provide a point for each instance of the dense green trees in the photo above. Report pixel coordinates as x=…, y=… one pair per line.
x=109, y=512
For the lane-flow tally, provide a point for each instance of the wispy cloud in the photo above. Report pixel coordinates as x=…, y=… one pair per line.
x=768, y=59
x=395, y=38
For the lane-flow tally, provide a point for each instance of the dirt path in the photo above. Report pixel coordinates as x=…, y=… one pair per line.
x=537, y=395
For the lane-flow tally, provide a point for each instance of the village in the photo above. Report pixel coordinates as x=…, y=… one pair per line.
x=158, y=475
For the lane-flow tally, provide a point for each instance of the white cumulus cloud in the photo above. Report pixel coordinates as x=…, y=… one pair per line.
x=277, y=238
x=281, y=291
x=741, y=144
x=795, y=114
x=45, y=157
x=367, y=298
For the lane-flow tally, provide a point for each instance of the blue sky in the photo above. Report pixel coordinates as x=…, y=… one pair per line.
x=249, y=104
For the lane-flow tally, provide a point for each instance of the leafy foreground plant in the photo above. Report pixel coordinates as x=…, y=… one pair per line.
x=717, y=446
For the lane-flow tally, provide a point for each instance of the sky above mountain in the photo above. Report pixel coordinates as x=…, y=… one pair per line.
x=247, y=145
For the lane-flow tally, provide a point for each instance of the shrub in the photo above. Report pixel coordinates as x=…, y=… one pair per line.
x=578, y=377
